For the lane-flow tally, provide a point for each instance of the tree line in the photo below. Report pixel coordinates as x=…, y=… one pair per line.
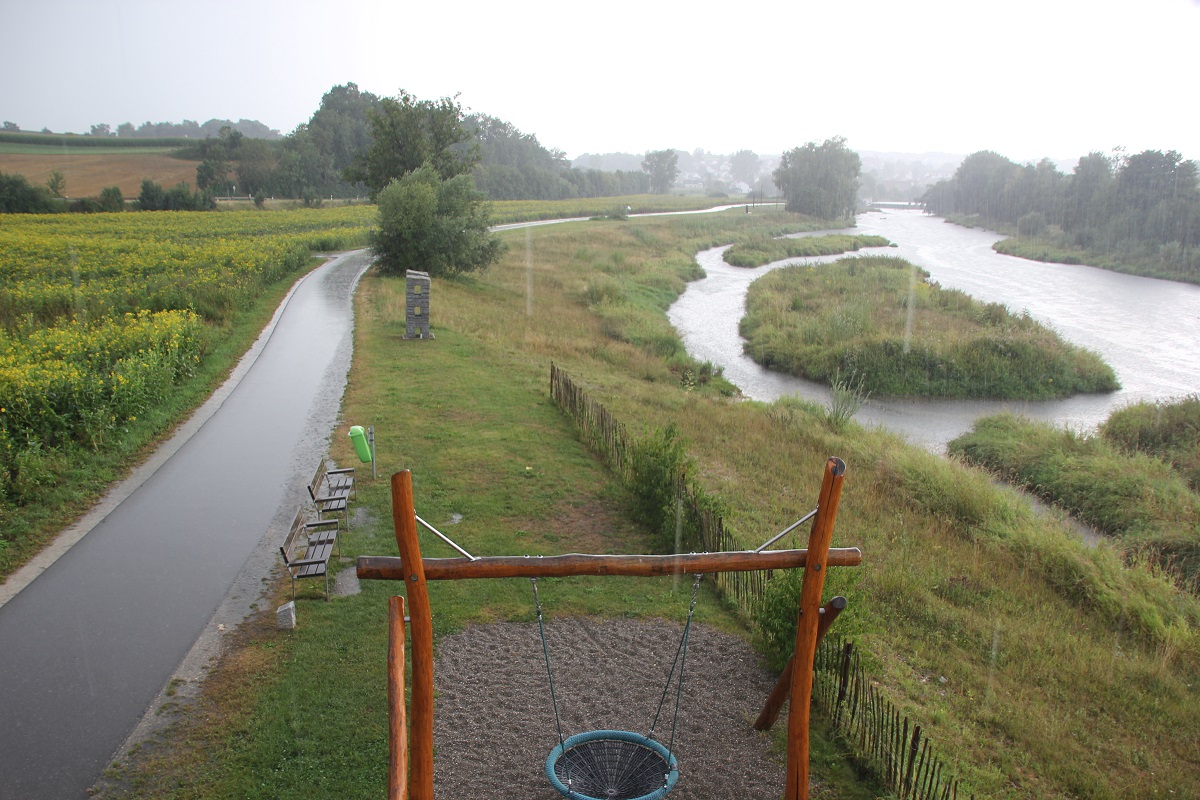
x=318, y=159
x=1141, y=209
x=188, y=129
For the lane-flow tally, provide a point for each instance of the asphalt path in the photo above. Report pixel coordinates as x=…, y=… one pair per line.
x=92, y=631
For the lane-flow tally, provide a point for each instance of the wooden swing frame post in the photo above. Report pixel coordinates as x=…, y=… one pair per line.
x=415, y=570
x=397, y=714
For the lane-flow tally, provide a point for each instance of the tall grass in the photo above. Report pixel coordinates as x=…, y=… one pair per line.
x=764, y=251
x=1169, y=430
x=1137, y=498
x=882, y=319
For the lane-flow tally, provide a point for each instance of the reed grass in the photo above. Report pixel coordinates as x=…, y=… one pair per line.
x=881, y=319
x=765, y=251
x=1169, y=430
x=1137, y=498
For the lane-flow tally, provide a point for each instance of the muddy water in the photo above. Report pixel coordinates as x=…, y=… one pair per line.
x=1147, y=329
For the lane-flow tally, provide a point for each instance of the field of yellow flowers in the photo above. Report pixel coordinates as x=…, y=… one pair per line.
x=102, y=315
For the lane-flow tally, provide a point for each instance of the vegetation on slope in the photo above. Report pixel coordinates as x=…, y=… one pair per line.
x=1137, y=498
x=1169, y=430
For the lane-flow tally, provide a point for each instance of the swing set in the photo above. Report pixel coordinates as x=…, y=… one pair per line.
x=598, y=765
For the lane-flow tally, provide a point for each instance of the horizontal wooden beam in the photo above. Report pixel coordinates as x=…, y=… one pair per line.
x=642, y=566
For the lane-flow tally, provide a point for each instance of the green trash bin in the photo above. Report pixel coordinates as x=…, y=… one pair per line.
x=361, y=446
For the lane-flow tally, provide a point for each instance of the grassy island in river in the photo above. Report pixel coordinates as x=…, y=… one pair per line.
x=881, y=321
x=759, y=251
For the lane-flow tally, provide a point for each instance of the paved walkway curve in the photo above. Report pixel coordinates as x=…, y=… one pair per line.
x=91, y=639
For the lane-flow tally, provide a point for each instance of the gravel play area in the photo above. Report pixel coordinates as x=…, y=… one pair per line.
x=494, y=721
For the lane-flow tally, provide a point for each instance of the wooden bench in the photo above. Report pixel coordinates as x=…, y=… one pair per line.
x=319, y=541
x=339, y=480
x=332, y=490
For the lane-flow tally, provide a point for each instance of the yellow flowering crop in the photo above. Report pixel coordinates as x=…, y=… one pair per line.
x=102, y=314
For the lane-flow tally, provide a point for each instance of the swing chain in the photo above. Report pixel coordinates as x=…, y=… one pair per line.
x=546, y=652
x=680, y=656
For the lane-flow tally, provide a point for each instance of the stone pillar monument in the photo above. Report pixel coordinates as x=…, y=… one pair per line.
x=416, y=305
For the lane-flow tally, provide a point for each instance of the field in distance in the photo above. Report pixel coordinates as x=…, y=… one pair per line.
x=87, y=173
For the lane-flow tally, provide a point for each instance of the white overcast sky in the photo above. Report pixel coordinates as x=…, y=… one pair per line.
x=1027, y=79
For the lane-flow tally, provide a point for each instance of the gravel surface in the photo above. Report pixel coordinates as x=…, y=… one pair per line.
x=494, y=721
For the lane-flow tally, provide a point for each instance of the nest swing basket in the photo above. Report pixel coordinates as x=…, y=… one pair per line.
x=612, y=765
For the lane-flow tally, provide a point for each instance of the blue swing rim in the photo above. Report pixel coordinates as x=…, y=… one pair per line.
x=624, y=736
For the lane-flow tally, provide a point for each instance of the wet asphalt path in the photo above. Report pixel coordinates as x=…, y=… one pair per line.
x=86, y=647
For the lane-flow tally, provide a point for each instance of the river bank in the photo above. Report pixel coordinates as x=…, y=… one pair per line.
x=1106, y=312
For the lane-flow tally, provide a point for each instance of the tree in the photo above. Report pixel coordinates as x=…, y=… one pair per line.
x=102, y=129
x=11, y=126
x=18, y=196
x=56, y=184
x=254, y=166
x=820, y=180
x=407, y=134
x=111, y=199
x=434, y=225
x=212, y=176
x=663, y=167
x=1086, y=191
x=152, y=197
x=743, y=165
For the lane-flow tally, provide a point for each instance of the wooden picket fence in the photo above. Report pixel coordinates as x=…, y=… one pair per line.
x=610, y=439
x=902, y=757
x=896, y=750
x=603, y=432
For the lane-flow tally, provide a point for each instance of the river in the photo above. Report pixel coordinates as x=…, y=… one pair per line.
x=1147, y=329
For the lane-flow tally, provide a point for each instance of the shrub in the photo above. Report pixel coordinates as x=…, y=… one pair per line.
x=1032, y=224
x=18, y=196
x=433, y=225
x=657, y=466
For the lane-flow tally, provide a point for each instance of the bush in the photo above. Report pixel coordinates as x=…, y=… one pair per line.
x=1032, y=224
x=178, y=198
x=111, y=199
x=657, y=465
x=18, y=196
x=433, y=225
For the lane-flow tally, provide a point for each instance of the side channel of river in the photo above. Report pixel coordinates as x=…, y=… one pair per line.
x=1146, y=329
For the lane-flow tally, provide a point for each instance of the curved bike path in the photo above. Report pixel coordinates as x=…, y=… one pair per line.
x=87, y=645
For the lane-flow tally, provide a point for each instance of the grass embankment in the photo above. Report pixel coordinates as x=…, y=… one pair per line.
x=881, y=321
x=1039, y=667
x=766, y=251
x=1136, y=497
x=1056, y=247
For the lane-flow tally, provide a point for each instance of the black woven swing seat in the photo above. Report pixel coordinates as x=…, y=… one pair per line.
x=612, y=765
